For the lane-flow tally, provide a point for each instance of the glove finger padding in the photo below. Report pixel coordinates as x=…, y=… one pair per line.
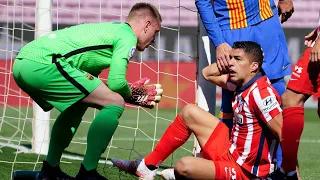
x=145, y=95
x=140, y=82
x=154, y=89
x=154, y=98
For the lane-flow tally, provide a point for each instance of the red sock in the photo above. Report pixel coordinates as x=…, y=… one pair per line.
x=175, y=136
x=293, y=121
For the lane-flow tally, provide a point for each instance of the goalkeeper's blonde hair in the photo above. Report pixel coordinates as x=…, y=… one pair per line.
x=144, y=9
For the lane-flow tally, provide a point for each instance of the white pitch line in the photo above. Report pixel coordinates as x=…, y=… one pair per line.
x=136, y=139
x=16, y=139
x=310, y=140
x=27, y=150
x=20, y=148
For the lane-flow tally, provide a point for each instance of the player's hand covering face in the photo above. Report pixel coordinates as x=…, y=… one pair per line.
x=147, y=37
x=223, y=53
x=285, y=9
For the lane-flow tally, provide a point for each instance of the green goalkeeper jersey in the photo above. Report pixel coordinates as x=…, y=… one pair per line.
x=88, y=47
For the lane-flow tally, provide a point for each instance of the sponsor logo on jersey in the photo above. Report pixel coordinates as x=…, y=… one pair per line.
x=230, y=173
x=298, y=69
x=241, y=105
x=131, y=52
x=238, y=118
x=89, y=76
x=269, y=104
x=285, y=67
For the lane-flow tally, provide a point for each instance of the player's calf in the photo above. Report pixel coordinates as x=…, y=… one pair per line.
x=293, y=123
x=291, y=99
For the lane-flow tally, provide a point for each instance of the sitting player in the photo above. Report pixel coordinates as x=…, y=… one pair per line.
x=304, y=82
x=60, y=70
x=250, y=150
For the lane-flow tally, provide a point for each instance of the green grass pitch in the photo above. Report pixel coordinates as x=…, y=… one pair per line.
x=133, y=138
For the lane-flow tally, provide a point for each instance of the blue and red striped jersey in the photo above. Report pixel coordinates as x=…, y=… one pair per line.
x=218, y=15
x=234, y=14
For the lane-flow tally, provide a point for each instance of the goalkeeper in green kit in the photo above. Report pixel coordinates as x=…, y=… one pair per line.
x=60, y=70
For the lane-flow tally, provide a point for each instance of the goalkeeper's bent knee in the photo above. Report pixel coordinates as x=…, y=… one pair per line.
x=116, y=99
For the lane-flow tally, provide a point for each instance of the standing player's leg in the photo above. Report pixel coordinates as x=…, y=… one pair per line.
x=279, y=85
x=293, y=122
x=304, y=82
x=111, y=107
x=62, y=133
x=269, y=34
x=46, y=85
x=62, y=86
x=226, y=111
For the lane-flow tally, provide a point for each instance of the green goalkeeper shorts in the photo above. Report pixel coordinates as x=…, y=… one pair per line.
x=56, y=85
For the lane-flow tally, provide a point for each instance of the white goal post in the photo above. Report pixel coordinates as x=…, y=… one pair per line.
x=41, y=119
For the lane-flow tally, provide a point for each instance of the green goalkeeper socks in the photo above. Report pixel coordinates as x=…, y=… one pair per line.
x=100, y=133
x=62, y=132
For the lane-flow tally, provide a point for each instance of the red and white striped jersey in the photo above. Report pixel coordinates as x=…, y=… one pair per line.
x=253, y=145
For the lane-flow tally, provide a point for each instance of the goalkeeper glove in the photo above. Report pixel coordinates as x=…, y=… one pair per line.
x=145, y=95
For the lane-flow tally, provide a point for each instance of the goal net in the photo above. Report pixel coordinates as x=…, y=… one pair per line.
x=171, y=61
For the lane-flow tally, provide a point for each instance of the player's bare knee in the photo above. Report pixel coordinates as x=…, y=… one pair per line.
x=292, y=99
x=116, y=99
x=184, y=166
x=187, y=111
x=284, y=99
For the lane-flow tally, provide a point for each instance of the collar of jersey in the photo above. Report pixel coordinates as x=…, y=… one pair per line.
x=128, y=25
x=248, y=84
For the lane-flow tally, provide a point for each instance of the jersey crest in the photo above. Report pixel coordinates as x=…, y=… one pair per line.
x=131, y=52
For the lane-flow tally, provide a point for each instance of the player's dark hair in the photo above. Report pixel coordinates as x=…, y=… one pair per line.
x=253, y=49
x=146, y=8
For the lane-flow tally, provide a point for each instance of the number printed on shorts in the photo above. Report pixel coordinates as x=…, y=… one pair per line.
x=230, y=173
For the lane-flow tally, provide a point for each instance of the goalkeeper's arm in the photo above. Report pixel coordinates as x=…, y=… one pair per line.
x=124, y=44
x=138, y=93
x=117, y=82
